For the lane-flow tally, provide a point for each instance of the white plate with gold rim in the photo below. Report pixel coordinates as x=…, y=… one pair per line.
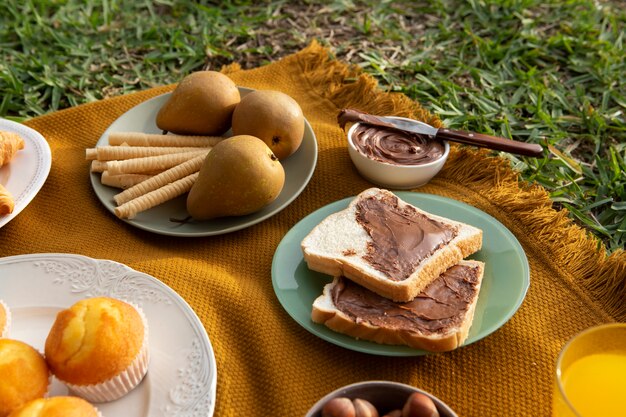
x=24, y=176
x=182, y=375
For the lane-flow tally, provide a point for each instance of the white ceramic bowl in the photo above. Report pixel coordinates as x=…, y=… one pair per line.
x=394, y=176
x=386, y=396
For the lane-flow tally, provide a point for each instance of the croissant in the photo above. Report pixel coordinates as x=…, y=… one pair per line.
x=6, y=201
x=10, y=143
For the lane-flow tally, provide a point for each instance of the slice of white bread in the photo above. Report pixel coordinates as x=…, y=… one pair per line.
x=416, y=324
x=341, y=246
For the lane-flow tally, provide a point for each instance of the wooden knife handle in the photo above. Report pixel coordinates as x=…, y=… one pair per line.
x=491, y=142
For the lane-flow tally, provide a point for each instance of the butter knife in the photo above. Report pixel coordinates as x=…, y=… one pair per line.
x=421, y=128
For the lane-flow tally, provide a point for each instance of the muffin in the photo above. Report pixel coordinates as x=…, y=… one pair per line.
x=24, y=375
x=99, y=348
x=5, y=320
x=57, y=407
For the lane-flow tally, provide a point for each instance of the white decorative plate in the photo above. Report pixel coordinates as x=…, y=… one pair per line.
x=26, y=173
x=182, y=375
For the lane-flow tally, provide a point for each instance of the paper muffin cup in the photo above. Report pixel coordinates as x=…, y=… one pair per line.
x=123, y=383
x=6, y=330
x=98, y=412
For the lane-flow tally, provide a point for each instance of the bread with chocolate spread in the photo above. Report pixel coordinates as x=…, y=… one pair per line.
x=437, y=320
x=388, y=245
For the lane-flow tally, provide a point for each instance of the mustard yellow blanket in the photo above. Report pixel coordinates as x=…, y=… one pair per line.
x=268, y=365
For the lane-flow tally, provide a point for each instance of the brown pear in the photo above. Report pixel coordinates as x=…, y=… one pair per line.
x=239, y=176
x=272, y=116
x=201, y=104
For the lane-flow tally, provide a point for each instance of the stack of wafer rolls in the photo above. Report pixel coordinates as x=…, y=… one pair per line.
x=150, y=168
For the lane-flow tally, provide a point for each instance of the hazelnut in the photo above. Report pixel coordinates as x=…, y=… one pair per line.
x=364, y=408
x=419, y=405
x=339, y=407
x=394, y=413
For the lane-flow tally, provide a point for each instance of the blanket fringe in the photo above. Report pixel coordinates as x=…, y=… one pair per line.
x=574, y=249
x=346, y=86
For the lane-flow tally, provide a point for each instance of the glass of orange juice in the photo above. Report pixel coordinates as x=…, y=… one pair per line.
x=591, y=374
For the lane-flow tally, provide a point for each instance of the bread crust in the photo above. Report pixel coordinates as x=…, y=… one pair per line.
x=348, y=262
x=325, y=312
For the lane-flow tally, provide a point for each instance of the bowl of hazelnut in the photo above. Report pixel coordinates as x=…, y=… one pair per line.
x=380, y=399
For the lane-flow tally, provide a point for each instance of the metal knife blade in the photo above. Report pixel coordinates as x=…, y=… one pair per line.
x=414, y=126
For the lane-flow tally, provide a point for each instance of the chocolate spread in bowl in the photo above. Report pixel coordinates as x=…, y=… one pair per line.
x=441, y=306
x=401, y=236
x=394, y=146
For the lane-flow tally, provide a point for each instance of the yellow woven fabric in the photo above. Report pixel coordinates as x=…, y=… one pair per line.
x=267, y=364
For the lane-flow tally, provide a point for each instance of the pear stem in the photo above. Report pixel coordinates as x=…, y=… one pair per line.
x=182, y=221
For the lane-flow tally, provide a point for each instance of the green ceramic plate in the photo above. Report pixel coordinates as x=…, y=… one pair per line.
x=504, y=286
x=299, y=169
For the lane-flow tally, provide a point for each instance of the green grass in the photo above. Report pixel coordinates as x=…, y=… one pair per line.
x=545, y=72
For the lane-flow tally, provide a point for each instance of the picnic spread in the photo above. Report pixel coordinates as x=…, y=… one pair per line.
x=269, y=359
